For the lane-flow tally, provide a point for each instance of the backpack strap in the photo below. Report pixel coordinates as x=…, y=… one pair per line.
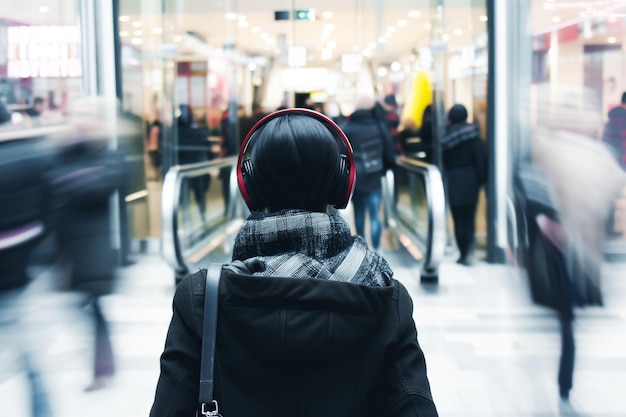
x=208, y=405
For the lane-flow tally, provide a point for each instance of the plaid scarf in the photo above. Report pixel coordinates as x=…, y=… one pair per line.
x=459, y=133
x=302, y=244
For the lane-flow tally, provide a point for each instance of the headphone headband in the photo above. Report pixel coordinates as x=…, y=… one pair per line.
x=343, y=197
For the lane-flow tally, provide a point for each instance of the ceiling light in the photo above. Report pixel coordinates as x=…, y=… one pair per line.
x=327, y=54
x=329, y=27
x=157, y=30
x=331, y=45
x=401, y=23
x=428, y=26
x=391, y=29
x=256, y=29
x=264, y=35
x=458, y=32
x=612, y=39
x=136, y=24
x=124, y=18
x=243, y=24
x=178, y=38
x=44, y=9
x=327, y=15
x=445, y=37
x=483, y=18
x=241, y=17
x=556, y=19
x=138, y=32
x=414, y=13
x=123, y=34
x=136, y=41
x=382, y=72
x=396, y=66
x=231, y=16
x=382, y=39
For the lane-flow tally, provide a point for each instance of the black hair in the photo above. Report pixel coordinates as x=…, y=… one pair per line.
x=38, y=100
x=457, y=114
x=624, y=98
x=296, y=163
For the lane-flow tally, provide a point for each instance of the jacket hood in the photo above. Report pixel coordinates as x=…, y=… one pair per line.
x=302, y=322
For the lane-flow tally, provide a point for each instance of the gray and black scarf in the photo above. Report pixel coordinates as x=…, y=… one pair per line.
x=302, y=244
x=459, y=133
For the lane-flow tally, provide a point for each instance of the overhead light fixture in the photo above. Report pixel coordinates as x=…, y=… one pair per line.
x=136, y=41
x=556, y=19
x=327, y=15
x=445, y=37
x=136, y=24
x=483, y=18
x=256, y=29
x=177, y=38
x=123, y=34
x=44, y=9
x=458, y=32
x=612, y=39
x=231, y=16
x=138, y=32
x=382, y=72
x=414, y=13
x=124, y=18
x=327, y=54
x=382, y=39
x=401, y=23
x=157, y=30
x=243, y=24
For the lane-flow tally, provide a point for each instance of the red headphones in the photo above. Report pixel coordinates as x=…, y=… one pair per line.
x=346, y=174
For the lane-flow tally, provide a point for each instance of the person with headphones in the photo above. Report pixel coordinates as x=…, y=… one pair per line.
x=310, y=320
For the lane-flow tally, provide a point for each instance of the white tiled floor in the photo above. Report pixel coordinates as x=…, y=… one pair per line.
x=489, y=350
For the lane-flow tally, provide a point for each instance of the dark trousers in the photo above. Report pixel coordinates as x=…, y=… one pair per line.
x=464, y=229
x=103, y=355
x=568, y=351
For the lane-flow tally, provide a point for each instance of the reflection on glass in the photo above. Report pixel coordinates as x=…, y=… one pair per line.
x=201, y=207
x=412, y=205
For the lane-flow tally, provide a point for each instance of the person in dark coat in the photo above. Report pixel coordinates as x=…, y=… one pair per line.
x=25, y=221
x=86, y=174
x=374, y=153
x=464, y=169
x=310, y=320
x=614, y=133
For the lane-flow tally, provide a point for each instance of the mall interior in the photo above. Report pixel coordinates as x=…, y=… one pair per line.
x=166, y=83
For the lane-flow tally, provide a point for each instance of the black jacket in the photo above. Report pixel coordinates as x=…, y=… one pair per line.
x=297, y=347
x=368, y=135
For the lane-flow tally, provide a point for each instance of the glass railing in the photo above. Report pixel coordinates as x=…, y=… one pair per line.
x=415, y=208
x=202, y=208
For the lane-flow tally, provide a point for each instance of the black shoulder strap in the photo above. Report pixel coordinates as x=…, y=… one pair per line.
x=209, y=332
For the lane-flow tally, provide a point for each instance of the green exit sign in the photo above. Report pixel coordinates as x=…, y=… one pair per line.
x=305, y=14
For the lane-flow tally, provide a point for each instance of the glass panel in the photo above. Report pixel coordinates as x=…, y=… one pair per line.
x=411, y=202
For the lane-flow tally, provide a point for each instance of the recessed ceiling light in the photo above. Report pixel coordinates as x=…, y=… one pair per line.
x=483, y=18
x=391, y=29
x=243, y=24
x=241, y=17
x=612, y=39
x=256, y=29
x=327, y=15
x=331, y=45
x=136, y=24
x=136, y=41
x=124, y=18
x=138, y=32
x=157, y=30
x=414, y=13
x=401, y=23
x=231, y=16
x=123, y=34
x=382, y=39
x=327, y=54
x=44, y=9
x=445, y=37
x=264, y=35
x=329, y=27
x=556, y=19
x=177, y=38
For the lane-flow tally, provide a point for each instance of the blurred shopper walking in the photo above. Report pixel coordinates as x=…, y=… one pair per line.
x=614, y=134
x=584, y=181
x=464, y=169
x=24, y=221
x=373, y=155
x=87, y=172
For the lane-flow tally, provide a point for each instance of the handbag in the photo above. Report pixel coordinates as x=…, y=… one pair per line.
x=208, y=404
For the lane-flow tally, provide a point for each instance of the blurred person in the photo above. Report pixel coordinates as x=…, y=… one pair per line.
x=195, y=148
x=24, y=222
x=417, y=142
x=389, y=107
x=300, y=302
x=154, y=147
x=464, y=169
x=87, y=172
x=37, y=108
x=584, y=183
x=373, y=155
x=614, y=134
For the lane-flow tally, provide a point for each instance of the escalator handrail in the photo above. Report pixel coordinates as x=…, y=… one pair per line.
x=170, y=205
x=436, y=205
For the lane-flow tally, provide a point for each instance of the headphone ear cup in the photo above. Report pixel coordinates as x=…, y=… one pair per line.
x=247, y=172
x=340, y=194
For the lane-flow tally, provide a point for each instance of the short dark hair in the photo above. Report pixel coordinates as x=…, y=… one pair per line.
x=457, y=114
x=296, y=161
x=38, y=100
x=624, y=98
